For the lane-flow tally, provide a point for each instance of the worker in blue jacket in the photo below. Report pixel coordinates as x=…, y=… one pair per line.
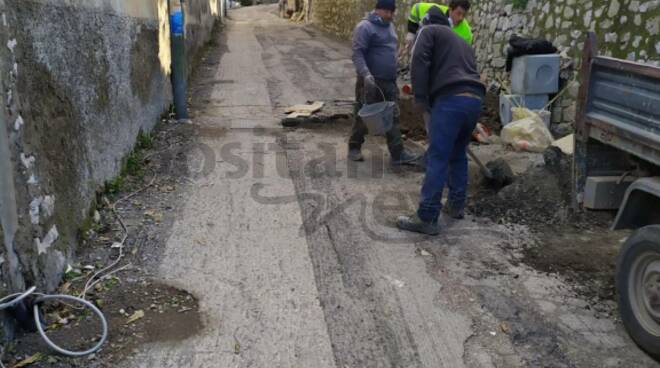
x=375, y=58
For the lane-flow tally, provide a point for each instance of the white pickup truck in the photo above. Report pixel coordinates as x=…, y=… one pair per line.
x=617, y=165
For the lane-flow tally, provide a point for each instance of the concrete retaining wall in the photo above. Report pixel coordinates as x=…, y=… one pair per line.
x=80, y=79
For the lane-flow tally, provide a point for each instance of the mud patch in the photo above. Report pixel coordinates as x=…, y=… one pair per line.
x=586, y=258
x=578, y=246
x=169, y=315
x=528, y=330
x=154, y=190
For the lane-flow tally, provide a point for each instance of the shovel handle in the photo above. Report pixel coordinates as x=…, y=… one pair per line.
x=483, y=167
x=487, y=173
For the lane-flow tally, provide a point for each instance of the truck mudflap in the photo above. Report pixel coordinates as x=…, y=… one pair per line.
x=641, y=205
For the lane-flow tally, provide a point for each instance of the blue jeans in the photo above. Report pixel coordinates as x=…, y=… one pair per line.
x=453, y=119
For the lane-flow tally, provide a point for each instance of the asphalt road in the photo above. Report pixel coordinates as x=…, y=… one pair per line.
x=293, y=253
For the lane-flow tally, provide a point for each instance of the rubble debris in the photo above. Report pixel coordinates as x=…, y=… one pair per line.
x=139, y=314
x=29, y=360
x=540, y=197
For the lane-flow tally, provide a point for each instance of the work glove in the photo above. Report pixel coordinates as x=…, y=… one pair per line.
x=370, y=83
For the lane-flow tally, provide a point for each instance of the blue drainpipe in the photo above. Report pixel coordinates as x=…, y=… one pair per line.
x=179, y=70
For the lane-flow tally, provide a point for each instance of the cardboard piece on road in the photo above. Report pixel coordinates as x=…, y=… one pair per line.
x=304, y=111
x=566, y=144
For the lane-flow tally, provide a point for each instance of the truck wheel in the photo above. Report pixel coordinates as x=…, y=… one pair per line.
x=638, y=284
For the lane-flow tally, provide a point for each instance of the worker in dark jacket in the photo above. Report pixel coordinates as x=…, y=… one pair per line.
x=446, y=82
x=375, y=59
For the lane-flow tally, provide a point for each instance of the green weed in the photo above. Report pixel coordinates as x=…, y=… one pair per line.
x=520, y=4
x=144, y=141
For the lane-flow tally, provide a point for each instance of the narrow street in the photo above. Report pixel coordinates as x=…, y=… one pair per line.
x=294, y=256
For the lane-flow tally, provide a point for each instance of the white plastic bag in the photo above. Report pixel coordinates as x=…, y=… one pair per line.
x=528, y=134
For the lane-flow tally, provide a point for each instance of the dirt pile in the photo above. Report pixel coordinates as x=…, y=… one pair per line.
x=412, y=125
x=540, y=197
x=578, y=246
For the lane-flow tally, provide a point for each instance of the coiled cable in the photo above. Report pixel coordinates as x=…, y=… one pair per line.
x=13, y=299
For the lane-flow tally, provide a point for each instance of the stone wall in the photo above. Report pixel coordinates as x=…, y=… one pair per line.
x=626, y=29
x=339, y=17
x=80, y=79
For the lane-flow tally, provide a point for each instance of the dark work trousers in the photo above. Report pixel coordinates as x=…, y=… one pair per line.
x=453, y=120
x=391, y=92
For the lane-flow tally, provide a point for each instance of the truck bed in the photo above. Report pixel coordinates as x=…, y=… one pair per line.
x=623, y=107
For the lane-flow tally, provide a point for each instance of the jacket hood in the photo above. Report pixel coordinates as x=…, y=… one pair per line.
x=436, y=16
x=377, y=20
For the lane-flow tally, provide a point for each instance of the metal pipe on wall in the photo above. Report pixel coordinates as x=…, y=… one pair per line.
x=179, y=70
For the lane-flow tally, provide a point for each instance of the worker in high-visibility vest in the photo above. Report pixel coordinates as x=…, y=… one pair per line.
x=456, y=11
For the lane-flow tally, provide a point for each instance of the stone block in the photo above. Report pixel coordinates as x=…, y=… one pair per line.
x=568, y=114
x=498, y=62
x=545, y=115
x=507, y=102
x=556, y=115
x=605, y=192
x=535, y=74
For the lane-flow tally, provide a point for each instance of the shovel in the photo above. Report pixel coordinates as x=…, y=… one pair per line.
x=486, y=171
x=498, y=173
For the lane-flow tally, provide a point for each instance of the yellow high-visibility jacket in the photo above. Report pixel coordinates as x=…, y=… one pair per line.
x=419, y=10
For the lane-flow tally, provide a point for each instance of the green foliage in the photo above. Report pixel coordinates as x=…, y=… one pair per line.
x=519, y=4
x=71, y=273
x=133, y=166
x=111, y=282
x=115, y=186
x=144, y=141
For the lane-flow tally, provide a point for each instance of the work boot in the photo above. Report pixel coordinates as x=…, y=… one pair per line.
x=405, y=158
x=456, y=213
x=415, y=224
x=355, y=154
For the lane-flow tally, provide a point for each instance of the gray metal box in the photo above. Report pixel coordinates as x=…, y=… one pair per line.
x=605, y=192
x=507, y=102
x=535, y=74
